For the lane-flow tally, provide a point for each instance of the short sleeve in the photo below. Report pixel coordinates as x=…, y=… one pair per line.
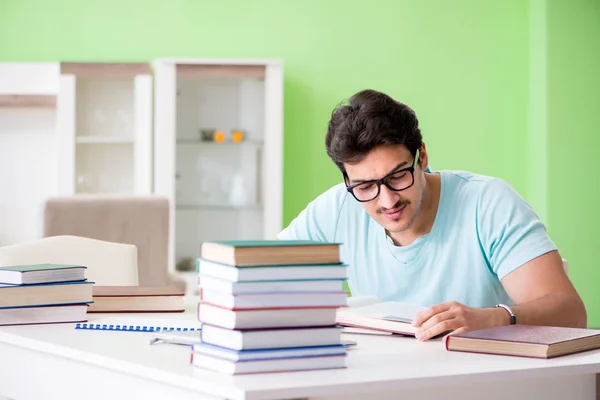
x=510, y=231
x=318, y=221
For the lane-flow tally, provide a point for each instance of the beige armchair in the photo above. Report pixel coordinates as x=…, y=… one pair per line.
x=142, y=221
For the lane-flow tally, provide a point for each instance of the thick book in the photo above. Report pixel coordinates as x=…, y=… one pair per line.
x=388, y=317
x=271, y=365
x=270, y=252
x=261, y=319
x=271, y=273
x=266, y=354
x=526, y=341
x=210, y=283
x=256, y=301
x=270, y=338
x=43, y=315
x=41, y=273
x=133, y=299
x=46, y=294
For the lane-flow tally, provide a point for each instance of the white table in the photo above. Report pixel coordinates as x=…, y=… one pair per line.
x=58, y=361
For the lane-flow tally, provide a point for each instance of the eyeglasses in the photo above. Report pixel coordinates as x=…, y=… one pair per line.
x=397, y=181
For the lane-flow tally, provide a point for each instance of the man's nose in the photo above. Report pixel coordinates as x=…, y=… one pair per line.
x=387, y=198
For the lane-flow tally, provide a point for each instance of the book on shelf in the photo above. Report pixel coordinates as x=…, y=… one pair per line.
x=134, y=299
x=44, y=294
x=270, y=252
x=41, y=273
x=263, y=319
x=43, y=315
x=271, y=273
x=526, y=341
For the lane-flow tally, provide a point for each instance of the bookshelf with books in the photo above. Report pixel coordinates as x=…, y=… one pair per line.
x=218, y=135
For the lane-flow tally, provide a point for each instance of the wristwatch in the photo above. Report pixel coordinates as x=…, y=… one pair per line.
x=513, y=318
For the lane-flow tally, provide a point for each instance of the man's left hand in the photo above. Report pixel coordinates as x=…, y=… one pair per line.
x=456, y=317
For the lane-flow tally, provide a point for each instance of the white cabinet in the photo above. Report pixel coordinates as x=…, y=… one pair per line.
x=105, y=128
x=218, y=137
x=28, y=98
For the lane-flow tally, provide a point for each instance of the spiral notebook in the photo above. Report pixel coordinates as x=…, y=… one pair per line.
x=141, y=324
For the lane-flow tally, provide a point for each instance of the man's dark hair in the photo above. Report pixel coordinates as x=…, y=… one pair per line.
x=370, y=119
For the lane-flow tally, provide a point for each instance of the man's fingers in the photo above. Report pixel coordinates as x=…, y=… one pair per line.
x=430, y=312
x=436, y=319
x=439, y=328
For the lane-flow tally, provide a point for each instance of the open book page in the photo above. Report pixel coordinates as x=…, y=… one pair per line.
x=365, y=315
x=390, y=310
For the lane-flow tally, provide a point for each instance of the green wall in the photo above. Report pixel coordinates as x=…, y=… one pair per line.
x=473, y=70
x=574, y=141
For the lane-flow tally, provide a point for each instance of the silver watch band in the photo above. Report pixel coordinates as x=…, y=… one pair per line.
x=513, y=318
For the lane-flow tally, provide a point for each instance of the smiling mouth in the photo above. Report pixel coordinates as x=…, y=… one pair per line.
x=394, y=213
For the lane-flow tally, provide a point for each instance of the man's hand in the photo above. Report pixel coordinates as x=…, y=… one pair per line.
x=456, y=317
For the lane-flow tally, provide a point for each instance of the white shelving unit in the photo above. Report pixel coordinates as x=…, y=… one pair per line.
x=218, y=190
x=105, y=128
x=28, y=98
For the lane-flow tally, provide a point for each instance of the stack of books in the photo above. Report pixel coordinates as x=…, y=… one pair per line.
x=43, y=294
x=270, y=306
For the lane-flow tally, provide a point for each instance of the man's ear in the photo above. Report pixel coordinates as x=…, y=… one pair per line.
x=423, y=157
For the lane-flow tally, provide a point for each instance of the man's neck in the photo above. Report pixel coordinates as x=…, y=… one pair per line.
x=426, y=218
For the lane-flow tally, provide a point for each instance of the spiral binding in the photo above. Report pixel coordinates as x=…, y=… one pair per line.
x=135, y=328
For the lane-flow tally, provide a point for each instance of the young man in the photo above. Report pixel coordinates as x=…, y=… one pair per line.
x=466, y=246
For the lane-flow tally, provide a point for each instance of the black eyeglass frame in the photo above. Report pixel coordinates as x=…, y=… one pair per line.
x=383, y=181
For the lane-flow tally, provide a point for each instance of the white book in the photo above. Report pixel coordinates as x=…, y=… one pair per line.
x=260, y=319
x=270, y=338
x=274, y=365
x=275, y=300
x=284, y=286
x=271, y=273
x=262, y=354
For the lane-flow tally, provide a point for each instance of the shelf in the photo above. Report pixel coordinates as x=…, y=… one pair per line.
x=191, y=141
x=27, y=100
x=103, y=139
x=104, y=69
x=208, y=207
x=221, y=71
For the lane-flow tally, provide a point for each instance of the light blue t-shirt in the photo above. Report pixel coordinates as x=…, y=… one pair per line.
x=483, y=230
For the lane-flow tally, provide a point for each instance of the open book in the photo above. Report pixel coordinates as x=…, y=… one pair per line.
x=370, y=315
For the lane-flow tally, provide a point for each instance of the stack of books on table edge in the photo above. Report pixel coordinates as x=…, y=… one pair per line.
x=43, y=294
x=270, y=306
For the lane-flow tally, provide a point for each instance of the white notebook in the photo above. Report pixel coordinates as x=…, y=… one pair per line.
x=142, y=324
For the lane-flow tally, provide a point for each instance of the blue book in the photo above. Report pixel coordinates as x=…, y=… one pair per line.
x=41, y=273
x=267, y=354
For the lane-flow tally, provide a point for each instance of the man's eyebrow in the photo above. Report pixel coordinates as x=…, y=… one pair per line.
x=397, y=167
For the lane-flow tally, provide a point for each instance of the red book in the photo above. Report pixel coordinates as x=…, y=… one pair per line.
x=526, y=341
x=136, y=299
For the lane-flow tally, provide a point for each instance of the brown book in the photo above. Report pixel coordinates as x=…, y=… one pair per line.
x=136, y=299
x=243, y=253
x=526, y=341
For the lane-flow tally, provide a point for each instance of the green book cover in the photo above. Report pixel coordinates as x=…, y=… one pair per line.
x=270, y=243
x=38, y=267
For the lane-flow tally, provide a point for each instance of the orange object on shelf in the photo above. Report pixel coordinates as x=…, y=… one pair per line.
x=237, y=136
x=219, y=136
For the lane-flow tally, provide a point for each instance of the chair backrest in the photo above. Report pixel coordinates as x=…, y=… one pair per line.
x=107, y=263
x=142, y=221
